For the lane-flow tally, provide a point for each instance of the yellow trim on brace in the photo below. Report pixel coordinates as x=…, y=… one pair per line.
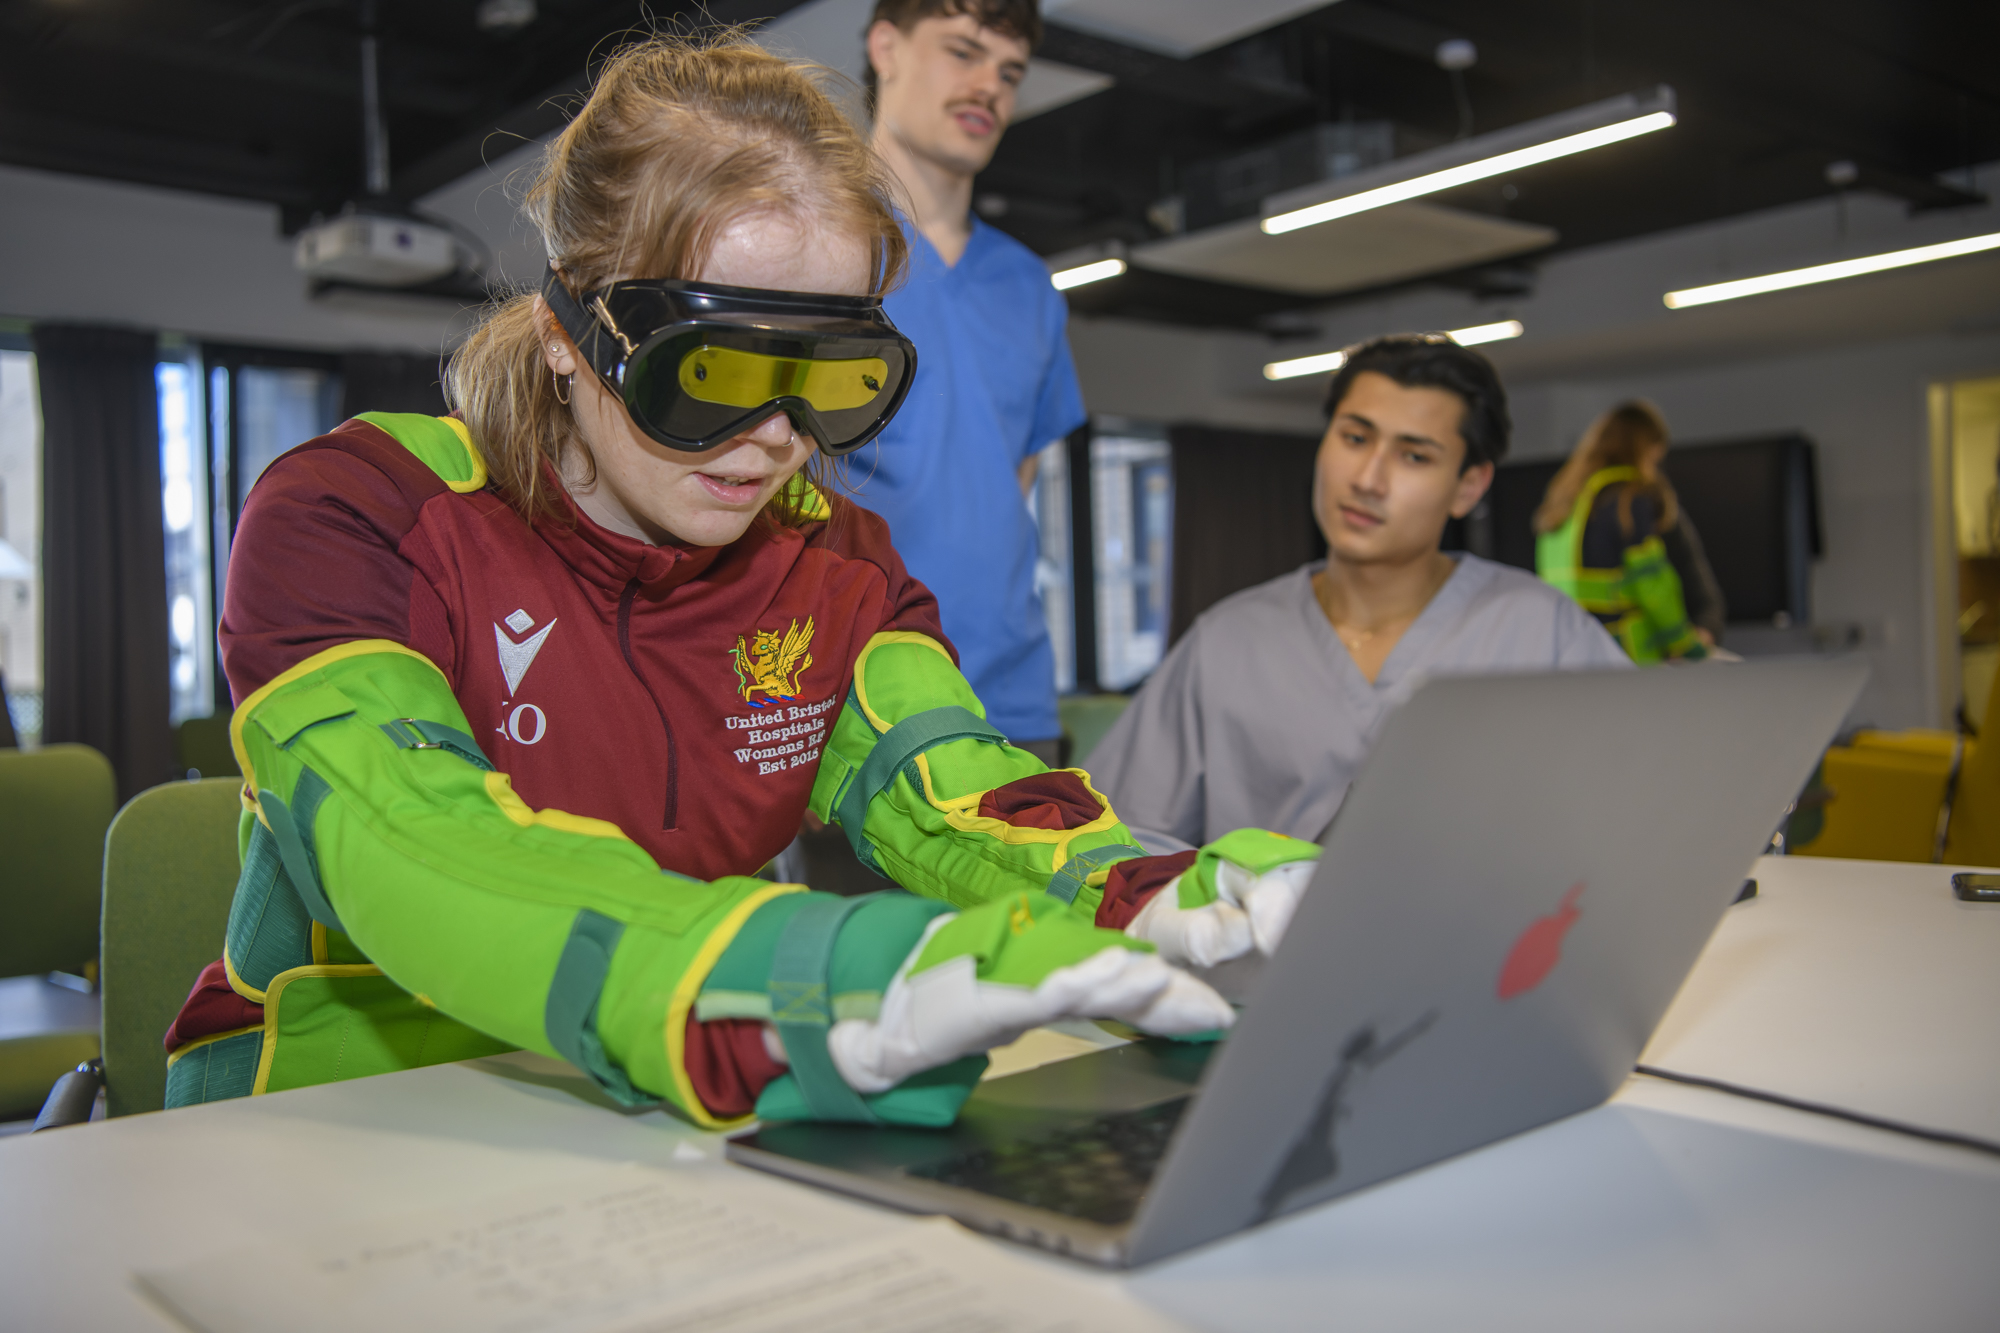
x=963, y=814
x=477, y=482
x=175, y=1055
x=236, y=983
x=339, y=652
x=501, y=788
x=276, y=989
x=1579, y=513
x=883, y=640
x=318, y=934
x=689, y=988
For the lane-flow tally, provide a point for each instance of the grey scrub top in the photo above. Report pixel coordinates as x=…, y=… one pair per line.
x=1259, y=717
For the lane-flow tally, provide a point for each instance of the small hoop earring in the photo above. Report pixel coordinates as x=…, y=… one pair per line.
x=558, y=380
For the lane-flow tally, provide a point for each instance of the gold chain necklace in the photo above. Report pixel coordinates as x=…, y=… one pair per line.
x=1353, y=643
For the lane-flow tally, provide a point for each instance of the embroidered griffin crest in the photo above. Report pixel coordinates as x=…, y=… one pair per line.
x=771, y=664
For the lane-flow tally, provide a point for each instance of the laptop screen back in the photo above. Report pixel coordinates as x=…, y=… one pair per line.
x=1511, y=895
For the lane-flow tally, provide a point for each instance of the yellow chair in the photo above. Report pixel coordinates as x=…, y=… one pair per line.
x=1913, y=796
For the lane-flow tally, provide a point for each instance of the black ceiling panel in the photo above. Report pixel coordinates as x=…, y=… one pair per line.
x=260, y=99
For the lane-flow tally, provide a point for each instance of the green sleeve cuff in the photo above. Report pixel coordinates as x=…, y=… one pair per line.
x=871, y=946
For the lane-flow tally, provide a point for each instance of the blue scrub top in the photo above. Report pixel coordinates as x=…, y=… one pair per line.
x=994, y=385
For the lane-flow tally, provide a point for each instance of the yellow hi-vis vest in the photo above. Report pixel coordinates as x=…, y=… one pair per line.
x=1639, y=600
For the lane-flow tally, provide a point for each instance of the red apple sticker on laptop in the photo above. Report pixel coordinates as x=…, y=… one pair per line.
x=1539, y=949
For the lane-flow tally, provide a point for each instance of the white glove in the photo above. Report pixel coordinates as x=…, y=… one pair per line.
x=945, y=1011
x=1250, y=912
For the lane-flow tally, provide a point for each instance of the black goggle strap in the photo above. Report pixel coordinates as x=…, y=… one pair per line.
x=598, y=345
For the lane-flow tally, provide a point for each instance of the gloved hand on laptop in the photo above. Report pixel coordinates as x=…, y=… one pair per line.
x=982, y=978
x=914, y=993
x=1230, y=900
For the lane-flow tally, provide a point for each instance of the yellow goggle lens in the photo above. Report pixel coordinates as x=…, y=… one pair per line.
x=736, y=378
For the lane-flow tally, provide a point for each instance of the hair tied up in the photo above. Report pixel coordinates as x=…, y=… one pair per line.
x=679, y=137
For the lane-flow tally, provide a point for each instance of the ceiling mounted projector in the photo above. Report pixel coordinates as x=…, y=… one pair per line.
x=375, y=243
x=376, y=251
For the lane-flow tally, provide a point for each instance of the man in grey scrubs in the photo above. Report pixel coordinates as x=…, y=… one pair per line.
x=1262, y=714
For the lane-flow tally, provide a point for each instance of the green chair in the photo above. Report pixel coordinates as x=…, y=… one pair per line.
x=170, y=867
x=1086, y=718
x=55, y=804
x=203, y=746
x=44, y=1030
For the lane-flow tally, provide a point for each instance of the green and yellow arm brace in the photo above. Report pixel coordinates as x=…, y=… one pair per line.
x=910, y=757
x=544, y=929
x=1662, y=629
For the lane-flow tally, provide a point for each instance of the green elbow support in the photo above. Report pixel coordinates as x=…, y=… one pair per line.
x=907, y=763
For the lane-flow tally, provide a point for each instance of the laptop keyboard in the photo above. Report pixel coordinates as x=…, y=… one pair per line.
x=1096, y=1170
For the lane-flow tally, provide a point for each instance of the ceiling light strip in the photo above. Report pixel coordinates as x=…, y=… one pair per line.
x=1065, y=279
x=1845, y=268
x=1432, y=182
x=1487, y=333
x=1327, y=362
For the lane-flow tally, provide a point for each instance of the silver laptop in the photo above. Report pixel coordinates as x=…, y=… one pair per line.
x=1508, y=900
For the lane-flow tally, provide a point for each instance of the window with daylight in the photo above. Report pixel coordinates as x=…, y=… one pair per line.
x=184, y=511
x=21, y=543
x=1049, y=501
x=261, y=402
x=1132, y=516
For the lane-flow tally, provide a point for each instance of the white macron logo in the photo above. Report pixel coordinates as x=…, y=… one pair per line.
x=516, y=658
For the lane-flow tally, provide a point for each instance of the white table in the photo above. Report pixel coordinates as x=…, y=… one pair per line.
x=1863, y=984
x=1670, y=1208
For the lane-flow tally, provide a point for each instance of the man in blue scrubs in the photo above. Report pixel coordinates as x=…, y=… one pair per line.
x=994, y=379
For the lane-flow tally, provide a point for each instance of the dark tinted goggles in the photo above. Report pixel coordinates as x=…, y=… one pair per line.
x=698, y=364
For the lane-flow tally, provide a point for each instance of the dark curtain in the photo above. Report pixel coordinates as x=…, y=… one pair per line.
x=1242, y=514
x=8, y=740
x=103, y=550
x=390, y=382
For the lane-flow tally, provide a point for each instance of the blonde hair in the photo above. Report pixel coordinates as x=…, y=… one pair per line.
x=679, y=138
x=1632, y=435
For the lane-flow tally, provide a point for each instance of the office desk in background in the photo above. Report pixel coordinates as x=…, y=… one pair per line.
x=1669, y=1208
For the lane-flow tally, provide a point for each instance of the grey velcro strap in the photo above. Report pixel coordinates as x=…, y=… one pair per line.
x=801, y=992
x=1067, y=882
x=292, y=828
x=570, y=1017
x=896, y=747
x=415, y=733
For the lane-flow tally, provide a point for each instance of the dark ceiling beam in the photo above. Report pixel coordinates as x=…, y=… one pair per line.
x=548, y=110
x=1385, y=29
x=1815, y=132
x=1825, y=24
x=167, y=51
x=1142, y=293
x=524, y=122
x=1183, y=81
x=1922, y=193
x=56, y=143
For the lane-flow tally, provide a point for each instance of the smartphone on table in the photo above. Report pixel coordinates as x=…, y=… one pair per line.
x=1974, y=886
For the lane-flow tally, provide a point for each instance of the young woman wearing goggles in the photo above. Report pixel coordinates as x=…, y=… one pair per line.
x=528, y=694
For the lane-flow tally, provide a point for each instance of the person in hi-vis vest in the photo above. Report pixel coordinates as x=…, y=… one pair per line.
x=1611, y=534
